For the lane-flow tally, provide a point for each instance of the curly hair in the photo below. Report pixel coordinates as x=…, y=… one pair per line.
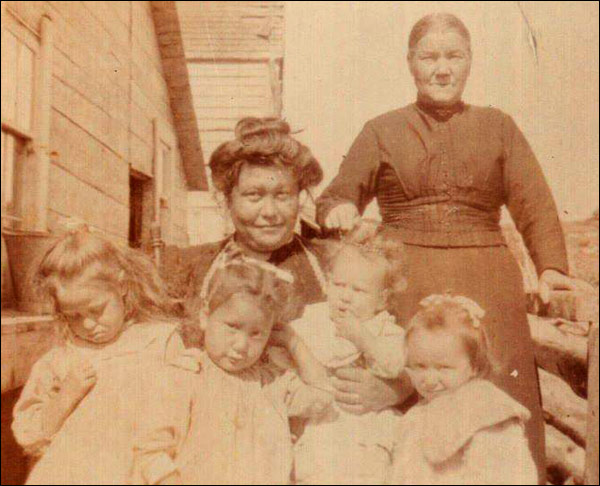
x=375, y=242
x=267, y=142
x=145, y=295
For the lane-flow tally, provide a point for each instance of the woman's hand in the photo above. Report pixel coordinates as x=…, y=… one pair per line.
x=358, y=391
x=553, y=280
x=342, y=217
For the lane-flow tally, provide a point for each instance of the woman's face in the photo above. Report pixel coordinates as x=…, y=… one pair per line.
x=440, y=65
x=264, y=207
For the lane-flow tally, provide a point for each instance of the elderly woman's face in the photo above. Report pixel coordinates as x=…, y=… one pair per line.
x=440, y=65
x=264, y=206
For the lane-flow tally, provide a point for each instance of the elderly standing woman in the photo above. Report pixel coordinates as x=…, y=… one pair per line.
x=261, y=174
x=441, y=170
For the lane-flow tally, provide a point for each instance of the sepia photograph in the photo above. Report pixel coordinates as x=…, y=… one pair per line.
x=300, y=242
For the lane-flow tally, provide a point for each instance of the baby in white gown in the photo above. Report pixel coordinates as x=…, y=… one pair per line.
x=353, y=329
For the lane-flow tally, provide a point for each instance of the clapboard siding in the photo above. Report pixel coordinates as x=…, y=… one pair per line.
x=108, y=86
x=224, y=92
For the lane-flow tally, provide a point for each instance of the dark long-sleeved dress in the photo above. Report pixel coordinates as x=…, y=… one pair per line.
x=441, y=178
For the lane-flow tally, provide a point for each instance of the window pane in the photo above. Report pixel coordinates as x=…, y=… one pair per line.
x=9, y=75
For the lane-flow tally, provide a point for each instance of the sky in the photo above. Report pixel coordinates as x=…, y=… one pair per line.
x=345, y=64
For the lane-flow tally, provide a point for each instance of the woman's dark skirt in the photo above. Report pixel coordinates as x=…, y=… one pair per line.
x=491, y=277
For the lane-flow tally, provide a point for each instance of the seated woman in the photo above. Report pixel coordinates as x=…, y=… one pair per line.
x=261, y=174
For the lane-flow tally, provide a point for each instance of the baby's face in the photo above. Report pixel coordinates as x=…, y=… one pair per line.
x=356, y=286
x=437, y=362
x=236, y=333
x=92, y=308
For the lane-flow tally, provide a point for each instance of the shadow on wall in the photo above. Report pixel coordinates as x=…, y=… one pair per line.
x=14, y=465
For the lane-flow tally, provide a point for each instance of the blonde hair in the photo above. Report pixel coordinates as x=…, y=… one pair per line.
x=454, y=318
x=375, y=242
x=144, y=295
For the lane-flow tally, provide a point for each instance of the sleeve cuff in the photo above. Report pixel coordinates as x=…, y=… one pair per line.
x=159, y=468
x=564, y=269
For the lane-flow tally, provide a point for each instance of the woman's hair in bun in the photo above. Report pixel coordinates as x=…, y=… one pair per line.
x=250, y=127
x=267, y=142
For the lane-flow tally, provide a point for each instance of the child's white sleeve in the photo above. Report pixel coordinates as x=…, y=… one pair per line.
x=390, y=358
x=43, y=385
x=500, y=455
x=302, y=400
x=163, y=426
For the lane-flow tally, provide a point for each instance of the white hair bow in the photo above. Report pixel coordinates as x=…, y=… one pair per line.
x=266, y=266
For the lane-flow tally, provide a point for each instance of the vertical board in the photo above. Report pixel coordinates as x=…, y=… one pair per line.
x=9, y=75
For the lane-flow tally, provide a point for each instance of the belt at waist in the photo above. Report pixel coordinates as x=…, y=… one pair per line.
x=445, y=224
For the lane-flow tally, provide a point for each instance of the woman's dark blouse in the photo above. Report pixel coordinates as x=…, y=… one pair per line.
x=442, y=176
x=184, y=270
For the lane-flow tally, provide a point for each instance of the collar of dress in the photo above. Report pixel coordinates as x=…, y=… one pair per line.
x=439, y=113
x=452, y=419
x=135, y=338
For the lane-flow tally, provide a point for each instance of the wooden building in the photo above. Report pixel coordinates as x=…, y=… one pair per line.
x=234, y=53
x=97, y=124
x=97, y=120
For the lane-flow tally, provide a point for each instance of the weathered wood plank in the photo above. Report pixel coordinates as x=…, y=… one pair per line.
x=564, y=455
x=87, y=159
x=560, y=352
x=67, y=193
x=562, y=408
x=591, y=471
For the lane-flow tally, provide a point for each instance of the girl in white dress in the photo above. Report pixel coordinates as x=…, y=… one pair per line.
x=86, y=400
x=233, y=428
x=465, y=430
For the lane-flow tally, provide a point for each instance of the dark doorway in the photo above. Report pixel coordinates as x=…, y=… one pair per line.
x=140, y=209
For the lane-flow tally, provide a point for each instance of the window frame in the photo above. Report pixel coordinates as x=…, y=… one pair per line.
x=21, y=134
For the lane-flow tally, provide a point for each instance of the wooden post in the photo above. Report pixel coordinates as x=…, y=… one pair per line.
x=2, y=14
x=158, y=186
x=591, y=460
x=275, y=67
x=41, y=124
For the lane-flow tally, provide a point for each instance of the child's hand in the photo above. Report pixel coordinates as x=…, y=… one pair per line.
x=282, y=335
x=350, y=329
x=80, y=379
